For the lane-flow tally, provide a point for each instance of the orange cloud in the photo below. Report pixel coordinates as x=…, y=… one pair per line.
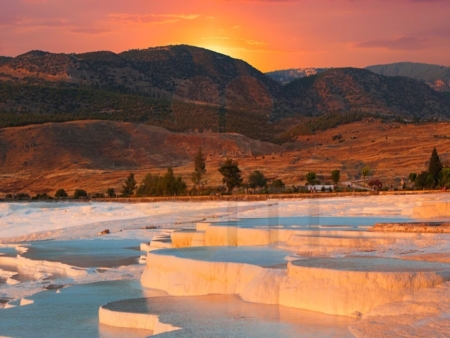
x=402, y=43
x=125, y=18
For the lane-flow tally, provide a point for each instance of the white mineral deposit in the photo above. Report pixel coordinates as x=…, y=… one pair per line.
x=276, y=268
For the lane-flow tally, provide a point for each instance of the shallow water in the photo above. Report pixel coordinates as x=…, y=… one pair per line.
x=250, y=255
x=7, y=251
x=71, y=313
x=312, y=222
x=229, y=316
x=372, y=264
x=86, y=253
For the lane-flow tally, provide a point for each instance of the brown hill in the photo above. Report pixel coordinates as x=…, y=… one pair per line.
x=358, y=90
x=285, y=76
x=182, y=72
x=95, y=155
x=184, y=88
x=40, y=157
x=436, y=76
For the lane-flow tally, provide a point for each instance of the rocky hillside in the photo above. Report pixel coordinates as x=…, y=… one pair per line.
x=437, y=77
x=190, y=89
x=184, y=72
x=288, y=75
x=358, y=90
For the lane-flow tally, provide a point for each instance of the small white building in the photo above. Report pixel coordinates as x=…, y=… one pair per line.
x=318, y=187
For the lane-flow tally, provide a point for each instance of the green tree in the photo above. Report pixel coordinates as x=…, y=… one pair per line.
x=79, y=193
x=231, y=173
x=424, y=180
x=149, y=186
x=199, y=167
x=365, y=172
x=172, y=185
x=257, y=180
x=435, y=166
x=336, y=176
x=129, y=185
x=412, y=177
x=111, y=192
x=278, y=184
x=445, y=177
x=61, y=193
x=167, y=185
x=311, y=177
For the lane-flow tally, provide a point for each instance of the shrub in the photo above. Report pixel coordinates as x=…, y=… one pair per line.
x=79, y=193
x=257, y=180
x=311, y=178
x=111, y=192
x=167, y=185
x=231, y=173
x=129, y=186
x=61, y=193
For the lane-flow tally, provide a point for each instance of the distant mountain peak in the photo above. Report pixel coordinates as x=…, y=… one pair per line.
x=436, y=76
x=285, y=76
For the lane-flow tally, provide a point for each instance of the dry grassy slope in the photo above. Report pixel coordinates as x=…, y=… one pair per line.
x=95, y=155
x=391, y=150
x=72, y=155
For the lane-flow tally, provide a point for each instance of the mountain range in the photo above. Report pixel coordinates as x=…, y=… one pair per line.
x=435, y=76
x=288, y=75
x=184, y=88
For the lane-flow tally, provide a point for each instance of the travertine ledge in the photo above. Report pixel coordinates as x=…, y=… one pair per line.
x=416, y=227
x=355, y=285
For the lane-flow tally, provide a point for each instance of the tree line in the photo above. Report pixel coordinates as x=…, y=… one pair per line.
x=437, y=176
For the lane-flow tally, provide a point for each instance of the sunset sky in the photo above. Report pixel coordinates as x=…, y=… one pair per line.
x=269, y=34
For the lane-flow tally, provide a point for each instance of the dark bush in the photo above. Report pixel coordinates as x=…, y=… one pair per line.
x=79, y=193
x=61, y=193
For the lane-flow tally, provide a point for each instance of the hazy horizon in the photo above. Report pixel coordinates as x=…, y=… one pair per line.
x=265, y=71
x=268, y=34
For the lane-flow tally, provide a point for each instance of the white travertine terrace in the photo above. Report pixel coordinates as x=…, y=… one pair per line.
x=332, y=289
x=422, y=314
x=412, y=302
x=432, y=210
x=326, y=290
x=132, y=320
x=39, y=267
x=245, y=261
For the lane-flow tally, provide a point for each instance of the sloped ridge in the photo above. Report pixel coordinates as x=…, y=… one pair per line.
x=39, y=64
x=113, y=145
x=158, y=73
x=185, y=88
x=437, y=77
x=103, y=57
x=285, y=76
x=352, y=89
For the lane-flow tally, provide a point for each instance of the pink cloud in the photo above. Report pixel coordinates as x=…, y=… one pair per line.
x=126, y=18
x=403, y=43
x=90, y=30
x=35, y=1
x=8, y=20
